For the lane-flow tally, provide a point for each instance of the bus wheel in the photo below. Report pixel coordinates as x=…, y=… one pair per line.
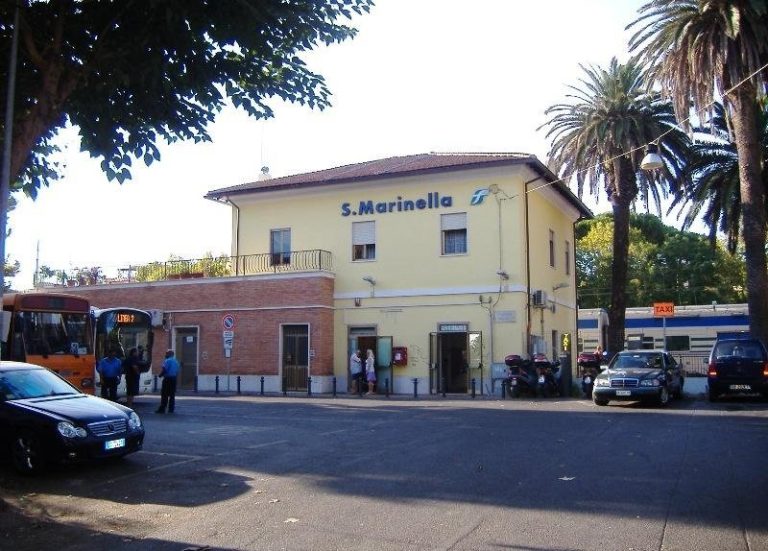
x=25, y=454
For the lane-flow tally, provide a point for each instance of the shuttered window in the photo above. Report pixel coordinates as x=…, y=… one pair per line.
x=363, y=240
x=454, y=233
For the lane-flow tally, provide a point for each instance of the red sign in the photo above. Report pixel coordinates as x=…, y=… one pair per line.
x=228, y=322
x=663, y=309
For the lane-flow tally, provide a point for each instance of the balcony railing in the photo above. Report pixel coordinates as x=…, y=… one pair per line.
x=222, y=266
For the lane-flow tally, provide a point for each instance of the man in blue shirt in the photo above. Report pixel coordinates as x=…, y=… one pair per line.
x=109, y=368
x=169, y=373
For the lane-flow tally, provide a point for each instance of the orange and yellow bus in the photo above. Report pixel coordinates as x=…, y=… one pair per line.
x=52, y=330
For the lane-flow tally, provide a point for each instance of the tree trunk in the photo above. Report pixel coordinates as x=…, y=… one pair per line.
x=745, y=120
x=626, y=191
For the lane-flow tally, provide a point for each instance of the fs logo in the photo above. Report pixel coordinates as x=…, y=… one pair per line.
x=478, y=196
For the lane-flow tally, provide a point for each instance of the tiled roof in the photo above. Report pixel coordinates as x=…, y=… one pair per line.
x=397, y=166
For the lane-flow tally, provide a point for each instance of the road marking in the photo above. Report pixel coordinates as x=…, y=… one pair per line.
x=266, y=444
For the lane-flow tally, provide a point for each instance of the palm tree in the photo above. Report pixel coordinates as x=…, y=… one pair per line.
x=701, y=49
x=714, y=177
x=599, y=139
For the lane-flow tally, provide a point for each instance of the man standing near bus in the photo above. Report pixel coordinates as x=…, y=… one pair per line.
x=109, y=368
x=169, y=372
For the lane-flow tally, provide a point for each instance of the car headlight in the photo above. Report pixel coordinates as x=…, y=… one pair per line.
x=134, y=421
x=602, y=382
x=649, y=382
x=68, y=430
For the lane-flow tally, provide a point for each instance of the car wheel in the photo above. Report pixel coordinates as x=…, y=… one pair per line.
x=600, y=401
x=25, y=454
x=663, y=398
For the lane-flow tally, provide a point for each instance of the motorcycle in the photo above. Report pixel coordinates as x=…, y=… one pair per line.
x=589, y=364
x=547, y=376
x=520, y=380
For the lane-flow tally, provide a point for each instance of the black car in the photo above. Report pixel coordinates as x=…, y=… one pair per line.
x=736, y=366
x=45, y=419
x=632, y=375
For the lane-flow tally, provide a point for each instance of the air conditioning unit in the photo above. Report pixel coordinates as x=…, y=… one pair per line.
x=540, y=299
x=157, y=317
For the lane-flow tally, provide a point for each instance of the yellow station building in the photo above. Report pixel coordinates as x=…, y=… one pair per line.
x=442, y=264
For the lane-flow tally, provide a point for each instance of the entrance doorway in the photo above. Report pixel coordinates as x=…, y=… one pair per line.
x=363, y=339
x=453, y=357
x=295, y=357
x=187, y=341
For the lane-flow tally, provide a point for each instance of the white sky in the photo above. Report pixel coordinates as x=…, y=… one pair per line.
x=421, y=76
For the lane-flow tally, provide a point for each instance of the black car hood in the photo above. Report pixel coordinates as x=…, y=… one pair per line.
x=80, y=407
x=637, y=372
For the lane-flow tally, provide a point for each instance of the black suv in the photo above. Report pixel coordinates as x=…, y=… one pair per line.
x=737, y=365
x=651, y=375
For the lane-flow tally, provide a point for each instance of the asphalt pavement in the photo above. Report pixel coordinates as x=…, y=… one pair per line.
x=296, y=473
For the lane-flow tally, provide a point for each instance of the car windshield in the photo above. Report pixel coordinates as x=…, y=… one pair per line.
x=637, y=361
x=19, y=384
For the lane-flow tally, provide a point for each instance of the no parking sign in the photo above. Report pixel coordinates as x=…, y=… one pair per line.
x=228, y=322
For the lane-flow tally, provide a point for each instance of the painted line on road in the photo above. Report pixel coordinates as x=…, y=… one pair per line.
x=266, y=444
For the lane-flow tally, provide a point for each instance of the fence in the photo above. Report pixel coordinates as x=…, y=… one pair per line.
x=694, y=365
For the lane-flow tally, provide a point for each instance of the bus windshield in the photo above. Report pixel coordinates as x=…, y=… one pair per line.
x=47, y=333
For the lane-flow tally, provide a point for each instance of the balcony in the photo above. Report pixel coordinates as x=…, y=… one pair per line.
x=314, y=260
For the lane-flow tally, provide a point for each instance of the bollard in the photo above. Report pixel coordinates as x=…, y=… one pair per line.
x=285, y=385
x=442, y=380
x=473, y=387
x=238, y=384
x=195, y=384
x=503, y=389
x=309, y=386
x=415, y=388
x=359, y=387
x=154, y=384
x=217, y=384
x=262, y=385
x=334, y=387
x=386, y=388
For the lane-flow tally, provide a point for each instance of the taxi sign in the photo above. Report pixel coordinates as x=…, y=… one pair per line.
x=663, y=309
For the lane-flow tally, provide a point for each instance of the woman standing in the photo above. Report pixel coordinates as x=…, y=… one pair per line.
x=370, y=370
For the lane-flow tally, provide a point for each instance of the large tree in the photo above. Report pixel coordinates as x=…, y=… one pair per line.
x=129, y=73
x=713, y=186
x=703, y=49
x=598, y=139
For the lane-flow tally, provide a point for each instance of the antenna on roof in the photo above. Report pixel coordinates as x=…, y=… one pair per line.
x=264, y=175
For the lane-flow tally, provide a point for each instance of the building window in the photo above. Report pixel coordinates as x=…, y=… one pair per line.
x=567, y=258
x=363, y=240
x=280, y=246
x=551, y=248
x=454, y=233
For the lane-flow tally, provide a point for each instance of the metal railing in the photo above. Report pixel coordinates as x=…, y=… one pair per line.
x=312, y=260
x=693, y=364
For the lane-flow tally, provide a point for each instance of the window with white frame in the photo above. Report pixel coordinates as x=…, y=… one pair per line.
x=453, y=228
x=280, y=246
x=363, y=240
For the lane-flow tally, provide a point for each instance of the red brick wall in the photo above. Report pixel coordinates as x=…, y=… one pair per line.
x=259, y=305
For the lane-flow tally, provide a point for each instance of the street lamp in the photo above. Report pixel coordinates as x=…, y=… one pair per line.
x=652, y=159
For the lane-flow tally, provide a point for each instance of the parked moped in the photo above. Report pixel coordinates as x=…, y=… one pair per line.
x=521, y=379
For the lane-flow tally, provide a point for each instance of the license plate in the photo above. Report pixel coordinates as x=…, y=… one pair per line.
x=114, y=444
x=623, y=393
x=740, y=387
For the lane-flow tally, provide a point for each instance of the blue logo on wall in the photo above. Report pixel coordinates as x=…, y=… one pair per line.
x=478, y=196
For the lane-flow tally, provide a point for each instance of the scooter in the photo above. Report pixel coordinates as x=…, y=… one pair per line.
x=589, y=364
x=547, y=376
x=521, y=380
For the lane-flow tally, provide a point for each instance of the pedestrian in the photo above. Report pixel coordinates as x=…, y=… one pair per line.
x=109, y=368
x=356, y=370
x=132, y=371
x=370, y=370
x=169, y=372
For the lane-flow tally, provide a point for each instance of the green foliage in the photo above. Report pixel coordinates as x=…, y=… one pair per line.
x=664, y=264
x=129, y=74
x=177, y=267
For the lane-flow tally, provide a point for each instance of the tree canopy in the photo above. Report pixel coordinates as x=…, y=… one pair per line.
x=130, y=73
x=664, y=264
